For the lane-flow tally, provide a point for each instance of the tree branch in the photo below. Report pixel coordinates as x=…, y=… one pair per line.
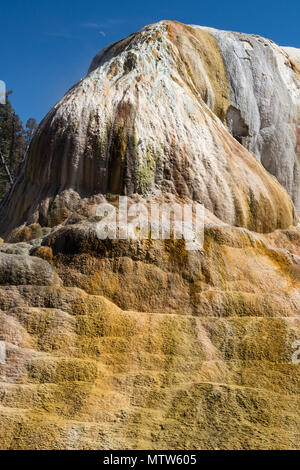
x=11, y=180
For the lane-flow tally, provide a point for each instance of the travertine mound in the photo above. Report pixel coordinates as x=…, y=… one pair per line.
x=150, y=117
x=113, y=344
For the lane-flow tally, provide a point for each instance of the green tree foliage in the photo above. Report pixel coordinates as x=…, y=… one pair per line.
x=14, y=140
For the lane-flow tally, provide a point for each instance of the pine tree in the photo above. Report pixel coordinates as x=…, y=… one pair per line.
x=31, y=126
x=13, y=143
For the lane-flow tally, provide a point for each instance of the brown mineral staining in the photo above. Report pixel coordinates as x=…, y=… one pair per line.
x=44, y=252
x=130, y=62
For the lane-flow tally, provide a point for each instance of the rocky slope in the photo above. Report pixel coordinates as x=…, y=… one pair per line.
x=144, y=344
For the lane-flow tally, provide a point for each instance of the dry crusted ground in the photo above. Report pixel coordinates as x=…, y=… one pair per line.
x=148, y=346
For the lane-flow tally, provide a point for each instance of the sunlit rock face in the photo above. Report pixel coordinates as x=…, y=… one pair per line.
x=144, y=344
x=264, y=110
x=154, y=116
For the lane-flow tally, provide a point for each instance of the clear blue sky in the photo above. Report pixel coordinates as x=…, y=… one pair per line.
x=47, y=45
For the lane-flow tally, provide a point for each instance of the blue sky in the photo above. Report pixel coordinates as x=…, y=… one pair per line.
x=47, y=46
